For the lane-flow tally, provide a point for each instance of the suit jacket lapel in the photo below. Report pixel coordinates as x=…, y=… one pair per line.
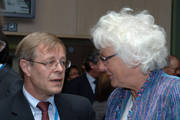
x=89, y=91
x=64, y=108
x=88, y=85
x=21, y=108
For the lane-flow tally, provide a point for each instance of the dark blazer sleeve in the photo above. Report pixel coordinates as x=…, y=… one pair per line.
x=10, y=82
x=15, y=107
x=74, y=107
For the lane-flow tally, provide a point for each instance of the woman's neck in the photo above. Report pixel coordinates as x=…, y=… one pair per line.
x=141, y=82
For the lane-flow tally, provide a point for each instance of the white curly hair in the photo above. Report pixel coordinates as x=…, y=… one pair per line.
x=135, y=38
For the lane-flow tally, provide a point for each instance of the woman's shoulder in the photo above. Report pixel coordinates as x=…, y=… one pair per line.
x=170, y=80
x=169, y=86
x=118, y=94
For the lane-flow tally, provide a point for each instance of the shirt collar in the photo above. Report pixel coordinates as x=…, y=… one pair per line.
x=33, y=101
x=90, y=78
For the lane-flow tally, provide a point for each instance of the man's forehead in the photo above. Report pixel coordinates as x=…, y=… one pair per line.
x=45, y=49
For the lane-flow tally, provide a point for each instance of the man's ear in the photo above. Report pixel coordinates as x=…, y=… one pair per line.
x=25, y=67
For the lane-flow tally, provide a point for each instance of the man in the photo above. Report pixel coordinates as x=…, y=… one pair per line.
x=42, y=62
x=10, y=81
x=85, y=85
x=173, y=67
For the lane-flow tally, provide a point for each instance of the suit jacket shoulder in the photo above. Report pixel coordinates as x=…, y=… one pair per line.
x=74, y=107
x=10, y=82
x=11, y=73
x=15, y=108
x=70, y=107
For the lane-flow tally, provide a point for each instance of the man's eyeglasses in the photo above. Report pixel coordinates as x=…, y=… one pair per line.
x=53, y=63
x=105, y=59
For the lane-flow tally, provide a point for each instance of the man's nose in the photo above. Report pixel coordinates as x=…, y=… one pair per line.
x=59, y=67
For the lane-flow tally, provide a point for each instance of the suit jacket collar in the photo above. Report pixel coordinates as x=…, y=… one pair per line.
x=87, y=90
x=21, y=108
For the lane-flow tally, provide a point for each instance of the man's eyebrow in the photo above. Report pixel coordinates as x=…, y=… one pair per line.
x=54, y=58
x=51, y=58
x=63, y=58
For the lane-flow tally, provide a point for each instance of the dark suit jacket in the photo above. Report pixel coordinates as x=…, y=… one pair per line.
x=80, y=86
x=70, y=107
x=10, y=82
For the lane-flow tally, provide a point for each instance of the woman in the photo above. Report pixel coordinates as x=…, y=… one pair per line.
x=133, y=51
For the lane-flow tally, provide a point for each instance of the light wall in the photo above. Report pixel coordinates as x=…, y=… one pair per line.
x=76, y=17
x=72, y=20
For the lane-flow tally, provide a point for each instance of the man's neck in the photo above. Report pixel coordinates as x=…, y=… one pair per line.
x=35, y=94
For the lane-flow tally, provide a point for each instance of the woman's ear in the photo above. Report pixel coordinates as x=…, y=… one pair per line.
x=25, y=67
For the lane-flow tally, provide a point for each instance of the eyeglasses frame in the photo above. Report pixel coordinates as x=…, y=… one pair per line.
x=45, y=64
x=102, y=58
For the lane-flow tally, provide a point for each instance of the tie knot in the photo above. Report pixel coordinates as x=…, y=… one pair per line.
x=43, y=106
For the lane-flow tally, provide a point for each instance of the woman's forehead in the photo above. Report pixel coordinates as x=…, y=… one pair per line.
x=106, y=50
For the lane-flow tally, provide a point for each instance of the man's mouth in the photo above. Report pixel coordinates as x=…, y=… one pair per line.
x=56, y=80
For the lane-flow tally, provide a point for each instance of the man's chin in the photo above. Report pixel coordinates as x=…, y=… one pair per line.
x=56, y=91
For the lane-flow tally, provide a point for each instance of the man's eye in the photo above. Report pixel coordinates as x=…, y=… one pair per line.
x=62, y=62
x=51, y=62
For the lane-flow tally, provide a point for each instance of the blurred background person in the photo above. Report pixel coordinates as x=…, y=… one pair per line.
x=133, y=50
x=10, y=81
x=73, y=72
x=83, y=69
x=173, y=67
x=70, y=74
x=104, y=89
x=85, y=85
x=2, y=45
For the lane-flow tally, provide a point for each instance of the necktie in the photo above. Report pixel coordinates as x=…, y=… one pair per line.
x=43, y=106
x=95, y=82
